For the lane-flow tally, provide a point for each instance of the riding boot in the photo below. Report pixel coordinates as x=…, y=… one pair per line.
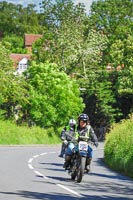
x=67, y=161
x=88, y=162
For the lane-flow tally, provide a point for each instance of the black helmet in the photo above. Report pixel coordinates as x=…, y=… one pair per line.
x=83, y=117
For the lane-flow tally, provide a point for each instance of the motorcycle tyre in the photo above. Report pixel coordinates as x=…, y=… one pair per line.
x=81, y=170
x=73, y=176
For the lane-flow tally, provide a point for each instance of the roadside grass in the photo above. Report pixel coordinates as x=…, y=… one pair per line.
x=11, y=134
x=118, y=149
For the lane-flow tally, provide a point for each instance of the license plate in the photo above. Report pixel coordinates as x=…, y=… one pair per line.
x=83, y=146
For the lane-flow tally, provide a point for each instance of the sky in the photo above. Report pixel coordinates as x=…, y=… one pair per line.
x=25, y=2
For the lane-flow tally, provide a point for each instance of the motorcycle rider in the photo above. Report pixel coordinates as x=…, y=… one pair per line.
x=70, y=128
x=83, y=129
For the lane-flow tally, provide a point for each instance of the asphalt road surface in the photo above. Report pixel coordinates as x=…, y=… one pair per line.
x=36, y=172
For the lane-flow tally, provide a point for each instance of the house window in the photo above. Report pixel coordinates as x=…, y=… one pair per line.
x=22, y=67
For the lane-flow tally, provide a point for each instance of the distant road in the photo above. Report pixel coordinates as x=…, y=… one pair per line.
x=35, y=172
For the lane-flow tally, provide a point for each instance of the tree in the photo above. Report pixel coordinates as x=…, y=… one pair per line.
x=54, y=96
x=15, y=44
x=55, y=12
x=13, y=89
x=15, y=19
x=65, y=23
x=78, y=54
x=112, y=18
x=121, y=53
x=67, y=43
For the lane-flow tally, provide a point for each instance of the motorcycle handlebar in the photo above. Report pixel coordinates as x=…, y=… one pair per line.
x=80, y=137
x=84, y=137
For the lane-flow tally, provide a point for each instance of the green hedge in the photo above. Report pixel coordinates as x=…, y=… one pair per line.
x=118, y=149
x=11, y=134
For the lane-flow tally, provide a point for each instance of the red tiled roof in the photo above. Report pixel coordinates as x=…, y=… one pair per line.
x=30, y=38
x=17, y=57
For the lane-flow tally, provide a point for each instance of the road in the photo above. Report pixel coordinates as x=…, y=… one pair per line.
x=35, y=172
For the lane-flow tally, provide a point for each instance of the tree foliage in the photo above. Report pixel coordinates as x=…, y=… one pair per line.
x=13, y=89
x=54, y=96
x=78, y=53
x=82, y=46
x=114, y=19
x=14, y=43
x=15, y=19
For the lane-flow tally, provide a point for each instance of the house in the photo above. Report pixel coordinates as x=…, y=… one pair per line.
x=20, y=61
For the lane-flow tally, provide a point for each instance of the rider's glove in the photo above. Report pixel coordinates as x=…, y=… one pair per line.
x=74, y=150
x=96, y=144
x=65, y=142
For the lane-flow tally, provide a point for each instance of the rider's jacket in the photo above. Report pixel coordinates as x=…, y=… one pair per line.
x=69, y=130
x=75, y=132
x=87, y=131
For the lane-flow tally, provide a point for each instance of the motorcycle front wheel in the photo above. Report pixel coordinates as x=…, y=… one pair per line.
x=81, y=169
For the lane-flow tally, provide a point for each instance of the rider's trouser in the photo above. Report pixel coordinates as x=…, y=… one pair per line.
x=71, y=146
x=67, y=161
x=69, y=149
x=68, y=154
x=88, y=161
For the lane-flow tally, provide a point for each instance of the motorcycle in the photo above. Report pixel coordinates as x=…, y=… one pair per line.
x=78, y=159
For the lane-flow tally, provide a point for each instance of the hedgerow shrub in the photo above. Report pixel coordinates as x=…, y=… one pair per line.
x=118, y=149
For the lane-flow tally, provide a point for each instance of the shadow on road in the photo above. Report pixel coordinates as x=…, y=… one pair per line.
x=56, y=196
x=118, y=177
x=53, y=164
x=113, y=174
x=50, y=163
x=59, y=178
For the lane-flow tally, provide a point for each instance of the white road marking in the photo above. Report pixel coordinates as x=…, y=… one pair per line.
x=45, y=177
x=69, y=190
x=30, y=166
x=52, y=152
x=39, y=174
x=35, y=156
x=30, y=160
x=43, y=154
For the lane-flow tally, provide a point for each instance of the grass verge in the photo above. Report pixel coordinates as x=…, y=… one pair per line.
x=11, y=134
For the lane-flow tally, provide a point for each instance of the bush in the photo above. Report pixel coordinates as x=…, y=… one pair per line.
x=118, y=150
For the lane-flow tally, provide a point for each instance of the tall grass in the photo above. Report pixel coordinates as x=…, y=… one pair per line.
x=10, y=133
x=118, y=150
